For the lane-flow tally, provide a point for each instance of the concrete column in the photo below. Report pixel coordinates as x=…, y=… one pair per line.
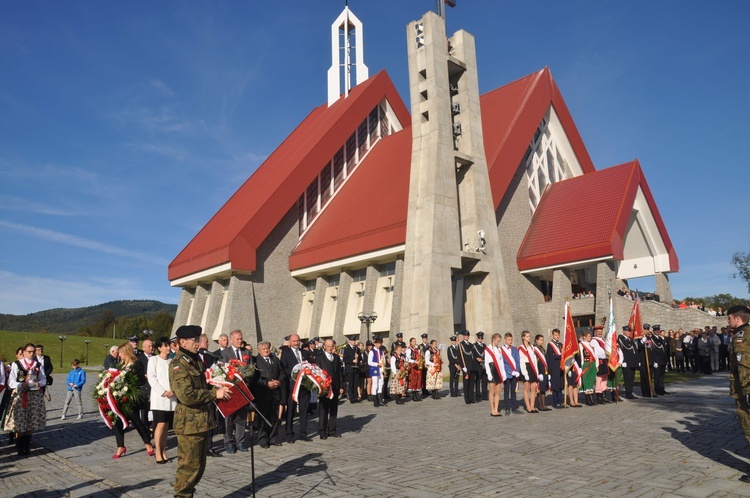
x=663, y=288
x=605, y=284
x=321, y=284
x=371, y=284
x=183, y=308
x=562, y=289
x=214, y=307
x=199, y=304
x=345, y=285
x=240, y=312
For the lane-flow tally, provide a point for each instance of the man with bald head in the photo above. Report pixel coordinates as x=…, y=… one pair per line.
x=291, y=357
x=329, y=361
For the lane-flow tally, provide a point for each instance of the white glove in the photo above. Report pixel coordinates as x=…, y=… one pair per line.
x=624, y=365
x=516, y=374
x=541, y=378
x=465, y=370
x=656, y=365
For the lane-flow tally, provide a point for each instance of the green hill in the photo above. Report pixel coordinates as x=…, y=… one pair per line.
x=94, y=319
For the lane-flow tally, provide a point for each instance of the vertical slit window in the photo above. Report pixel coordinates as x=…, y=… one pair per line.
x=325, y=184
x=338, y=169
x=312, y=201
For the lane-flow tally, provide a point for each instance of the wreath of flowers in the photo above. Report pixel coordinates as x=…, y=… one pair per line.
x=224, y=373
x=116, y=394
x=313, y=378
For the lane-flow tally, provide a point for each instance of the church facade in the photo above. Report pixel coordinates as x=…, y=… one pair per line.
x=464, y=211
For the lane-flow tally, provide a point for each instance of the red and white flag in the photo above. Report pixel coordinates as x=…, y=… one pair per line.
x=570, y=340
x=635, y=323
x=610, y=340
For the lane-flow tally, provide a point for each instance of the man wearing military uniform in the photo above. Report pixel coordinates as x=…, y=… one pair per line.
x=469, y=367
x=481, y=389
x=423, y=347
x=739, y=367
x=631, y=360
x=192, y=418
x=647, y=362
x=352, y=362
x=399, y=342
x=659, y=359
x=453, y=367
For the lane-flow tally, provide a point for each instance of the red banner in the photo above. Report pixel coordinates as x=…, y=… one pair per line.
x=635, y=323
x=570, y=340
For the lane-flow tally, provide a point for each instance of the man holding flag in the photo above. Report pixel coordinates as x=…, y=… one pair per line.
x=569, y=351
x=611, y=347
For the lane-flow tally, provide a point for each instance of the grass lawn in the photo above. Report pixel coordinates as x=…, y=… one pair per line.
x=72, y=347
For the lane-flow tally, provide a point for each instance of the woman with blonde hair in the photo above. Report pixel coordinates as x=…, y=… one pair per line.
x=495, y=368
x=528, y=371
x=129, y=362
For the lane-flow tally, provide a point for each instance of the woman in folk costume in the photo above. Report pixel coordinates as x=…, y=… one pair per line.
x=589, y=363
x=415, y=364
x=27, y=412
x=495, y=368
x=397, y=384
x=376, y=364
x=434, y=365
x=542, y=370
x=602, y=370
x=528, y=372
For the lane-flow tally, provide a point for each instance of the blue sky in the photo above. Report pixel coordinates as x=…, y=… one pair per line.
x=124, y=126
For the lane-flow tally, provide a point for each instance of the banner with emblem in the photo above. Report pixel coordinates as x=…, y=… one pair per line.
x=570, y=340
x=635, y=323
x=610, y=339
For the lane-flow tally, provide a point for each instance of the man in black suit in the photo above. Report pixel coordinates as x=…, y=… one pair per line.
x=148, y=352
x=267, y=389
x=234, y=435
x=329, y=361
x=290, y=357
x=453, y=367
x=422, y=350
x=134, y=342
x=46, y=363
x=631, y=359
x=352, y=361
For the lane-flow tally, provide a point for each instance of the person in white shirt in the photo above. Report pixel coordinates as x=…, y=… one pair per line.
x=495, y=368
x=163, y=400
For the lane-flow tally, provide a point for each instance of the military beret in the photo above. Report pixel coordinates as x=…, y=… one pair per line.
x=657, y=327
x=626, y=328
x=738, y=309
x=188, y=332
x=453, y=338
x=480, y=334
x=646, y=326
x=134, y=338
x=423, y=336
x=465, y=333
x=399, y=334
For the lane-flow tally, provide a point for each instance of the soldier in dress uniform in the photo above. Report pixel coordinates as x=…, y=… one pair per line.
x=453, y=367
x=659, y=360
x=481, y=389
x=399, y=342
x=192, y=418
x=631, y=360
x=469, y=367
x=647, y=364
x=352, y=362
x=423, y=347
x=739, y=367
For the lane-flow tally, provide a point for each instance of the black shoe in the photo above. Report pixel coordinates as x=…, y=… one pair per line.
x=305, y=439
x=265, y=445
x=212, y=453
x=745, y=478
x=323, y=436
x=630, y=396
x=334, y=435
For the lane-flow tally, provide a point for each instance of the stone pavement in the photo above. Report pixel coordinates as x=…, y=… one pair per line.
x=687, y=444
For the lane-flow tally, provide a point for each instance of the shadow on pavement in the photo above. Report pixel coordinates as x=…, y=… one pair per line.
x=308, y=464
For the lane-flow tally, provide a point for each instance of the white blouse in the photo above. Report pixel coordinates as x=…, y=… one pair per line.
x=158, y=378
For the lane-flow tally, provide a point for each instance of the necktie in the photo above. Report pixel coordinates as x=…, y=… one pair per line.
x=239, y=357
x=297, y=354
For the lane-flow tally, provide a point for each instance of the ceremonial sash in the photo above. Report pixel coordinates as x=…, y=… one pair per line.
x=509, y=359
x=555, y=349
x=591, y=356
x=501, y=373
x=578, y=373
x=540, y=355
x=600, y=341
x=528, y=356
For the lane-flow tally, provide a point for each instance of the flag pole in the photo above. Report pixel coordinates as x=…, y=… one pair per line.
x=648, y=373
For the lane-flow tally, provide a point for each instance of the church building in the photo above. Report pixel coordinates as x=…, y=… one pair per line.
x=458, y=211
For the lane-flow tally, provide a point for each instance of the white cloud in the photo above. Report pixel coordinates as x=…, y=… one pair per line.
x=22, y=294
x=72, y=240
x=12, y=203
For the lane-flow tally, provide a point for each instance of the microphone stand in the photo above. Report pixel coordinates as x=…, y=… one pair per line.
x=255, y=409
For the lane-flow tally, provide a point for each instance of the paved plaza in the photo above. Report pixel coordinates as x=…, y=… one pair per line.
x=687, y=444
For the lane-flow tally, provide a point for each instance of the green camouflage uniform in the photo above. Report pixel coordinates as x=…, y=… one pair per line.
x=739, y=381
x=192, y=420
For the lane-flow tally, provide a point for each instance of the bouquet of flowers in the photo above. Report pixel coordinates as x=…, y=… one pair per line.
x=116, y=394
x=313, y=378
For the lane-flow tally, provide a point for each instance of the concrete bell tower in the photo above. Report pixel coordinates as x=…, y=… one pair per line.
x=453, y=273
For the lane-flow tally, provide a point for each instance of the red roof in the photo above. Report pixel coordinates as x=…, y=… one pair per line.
x=585, y=217
x=370, y=212
x=243, y=223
